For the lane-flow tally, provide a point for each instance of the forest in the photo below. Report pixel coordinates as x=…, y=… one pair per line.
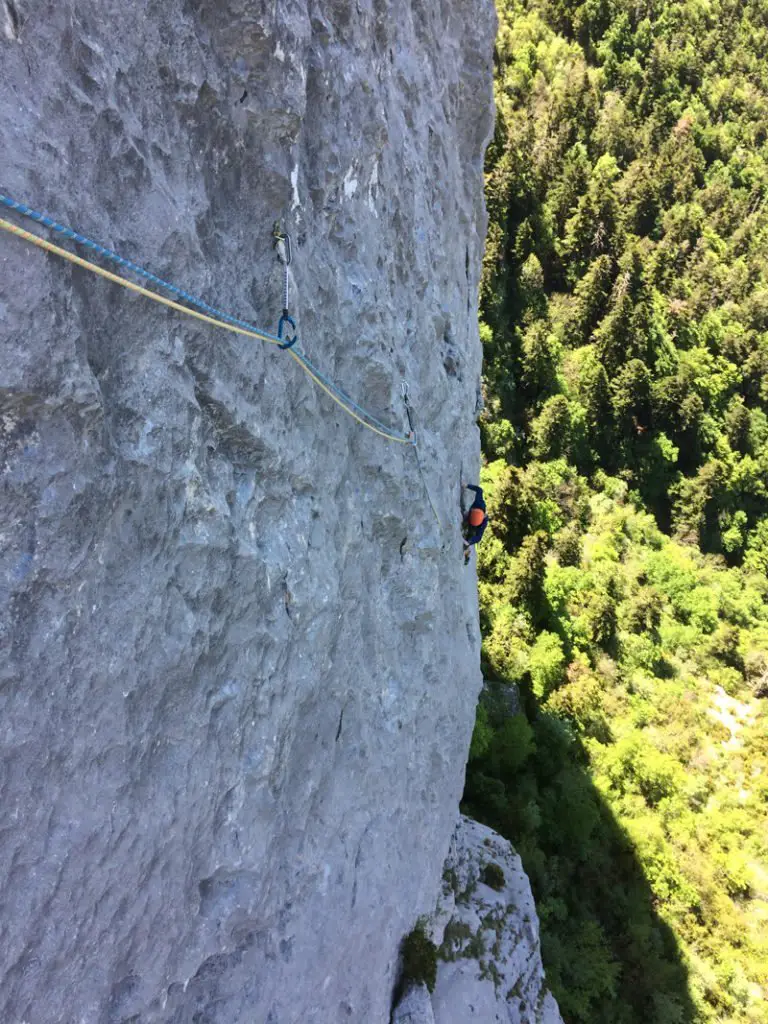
x=621, y=740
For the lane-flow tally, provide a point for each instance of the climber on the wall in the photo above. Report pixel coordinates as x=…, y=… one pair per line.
x=475, y=520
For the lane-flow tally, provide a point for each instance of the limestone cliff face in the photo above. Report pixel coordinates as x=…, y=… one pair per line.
x=485, y=925
x=240, y=660
x=490, y=969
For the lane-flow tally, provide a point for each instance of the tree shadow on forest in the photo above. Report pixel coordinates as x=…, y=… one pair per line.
x=608, y=955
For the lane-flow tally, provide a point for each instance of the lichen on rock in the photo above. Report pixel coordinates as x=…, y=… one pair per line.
x=489, y=961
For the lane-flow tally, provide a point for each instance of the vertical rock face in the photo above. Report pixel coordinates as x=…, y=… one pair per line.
x=240, y=658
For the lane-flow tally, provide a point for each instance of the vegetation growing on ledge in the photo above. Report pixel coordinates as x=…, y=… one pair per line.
x=493, y=876
x=419, y=959
x=624, y=576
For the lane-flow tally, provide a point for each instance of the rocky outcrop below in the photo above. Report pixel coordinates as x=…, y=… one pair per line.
x=240, y=656
x=415, y=1007
x=489, y=958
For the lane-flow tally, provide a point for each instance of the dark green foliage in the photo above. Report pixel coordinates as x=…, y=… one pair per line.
x=511, y=745
x=481, y=735
x=724, y=646
x=631, y=398
x=419, y=959
x=493, y=876
x=591, y=296
x=624, y=576
x=541, y=354
x=625, y=289
x=568, y=546
x=510, y=507
x=552, y=429
x=526, y=577
x=645, y=611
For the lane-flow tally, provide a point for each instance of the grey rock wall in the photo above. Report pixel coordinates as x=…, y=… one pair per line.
x=414, y=1006
x=490, y=969
x=239, y=658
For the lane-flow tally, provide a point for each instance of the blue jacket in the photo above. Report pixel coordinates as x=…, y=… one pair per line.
x=476, y=532
x=479, y=501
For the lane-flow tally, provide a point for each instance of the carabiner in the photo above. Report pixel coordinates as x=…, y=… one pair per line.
x=286, y=319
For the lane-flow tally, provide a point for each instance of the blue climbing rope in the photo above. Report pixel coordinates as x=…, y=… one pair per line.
x=113, y=257
x=196, y=302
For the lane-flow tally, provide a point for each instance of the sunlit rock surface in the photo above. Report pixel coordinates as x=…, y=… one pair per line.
x=490, y=969
x=240, y=657
x=415, y=1007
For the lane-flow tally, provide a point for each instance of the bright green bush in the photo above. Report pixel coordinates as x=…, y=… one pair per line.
x=546, y=664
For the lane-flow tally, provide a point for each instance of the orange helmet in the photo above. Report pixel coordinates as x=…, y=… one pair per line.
x=476, y=516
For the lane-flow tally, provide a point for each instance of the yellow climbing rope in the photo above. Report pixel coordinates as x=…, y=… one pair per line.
x=43, y=243
x=351, y=412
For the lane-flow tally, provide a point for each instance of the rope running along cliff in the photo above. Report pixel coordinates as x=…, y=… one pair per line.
x=210, y=314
